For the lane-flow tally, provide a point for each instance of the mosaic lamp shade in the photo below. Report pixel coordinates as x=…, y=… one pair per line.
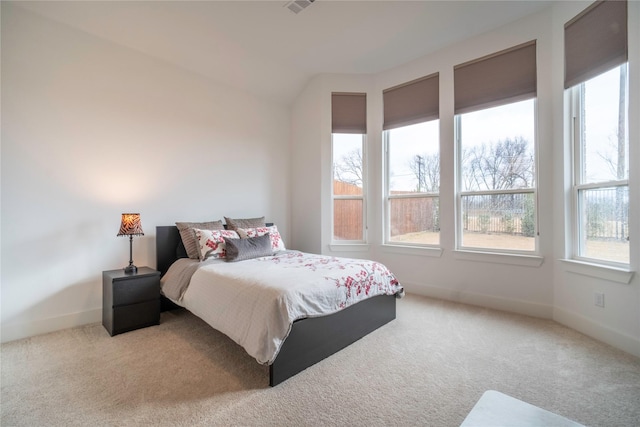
x=130, y=225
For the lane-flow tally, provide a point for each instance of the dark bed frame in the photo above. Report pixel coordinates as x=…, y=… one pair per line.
x=311, y=339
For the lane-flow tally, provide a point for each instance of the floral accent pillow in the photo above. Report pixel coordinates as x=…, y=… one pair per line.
x=211, y=242
x=276, y=240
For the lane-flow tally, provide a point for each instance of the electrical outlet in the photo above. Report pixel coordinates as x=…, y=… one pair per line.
x=598, y=299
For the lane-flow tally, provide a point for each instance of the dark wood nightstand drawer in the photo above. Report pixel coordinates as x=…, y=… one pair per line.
x=135, y=290
x=135, y=316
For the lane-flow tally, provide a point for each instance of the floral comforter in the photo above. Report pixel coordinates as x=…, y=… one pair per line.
x=255, y=302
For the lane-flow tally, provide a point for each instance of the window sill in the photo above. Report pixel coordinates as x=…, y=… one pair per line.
x=412, y=250
x=499, y=258
x=349, y=247
x=599, y=271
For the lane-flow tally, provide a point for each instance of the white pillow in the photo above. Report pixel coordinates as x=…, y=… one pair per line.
x=211, y=242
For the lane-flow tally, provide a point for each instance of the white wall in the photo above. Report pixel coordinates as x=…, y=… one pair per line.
x=618, y=323
x=306, y=145
x=90, y=130
x=535, y=286
x=311, y=157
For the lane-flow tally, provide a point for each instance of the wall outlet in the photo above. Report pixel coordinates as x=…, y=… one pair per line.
x=598, y=299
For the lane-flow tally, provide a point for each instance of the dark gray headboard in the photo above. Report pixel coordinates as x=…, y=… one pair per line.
x=169, y=247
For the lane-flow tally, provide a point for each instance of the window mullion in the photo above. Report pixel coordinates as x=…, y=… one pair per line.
x=497, y=192
x=604, y=184
x=413, y=196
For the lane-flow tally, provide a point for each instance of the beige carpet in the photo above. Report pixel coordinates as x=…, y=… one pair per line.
x=428, y=367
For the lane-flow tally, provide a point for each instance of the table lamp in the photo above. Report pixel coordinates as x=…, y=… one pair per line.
x=130, y=226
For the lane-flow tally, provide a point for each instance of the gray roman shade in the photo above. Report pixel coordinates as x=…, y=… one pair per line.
x=412, y=102
x=501, y=78
x=349, y=113
x=595, y=41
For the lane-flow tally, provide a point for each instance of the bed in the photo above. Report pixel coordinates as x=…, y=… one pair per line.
x=310, y=339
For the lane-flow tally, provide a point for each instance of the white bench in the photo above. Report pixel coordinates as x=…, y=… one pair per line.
x=495, y=409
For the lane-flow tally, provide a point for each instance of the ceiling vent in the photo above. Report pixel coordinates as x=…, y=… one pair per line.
x=297, y=6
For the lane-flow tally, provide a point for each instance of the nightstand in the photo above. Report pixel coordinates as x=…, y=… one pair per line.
x=130, y=301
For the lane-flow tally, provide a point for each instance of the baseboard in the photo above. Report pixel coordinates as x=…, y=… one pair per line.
x=17, y=330
x=497, y=303
x=597, y=331
x=574, y=321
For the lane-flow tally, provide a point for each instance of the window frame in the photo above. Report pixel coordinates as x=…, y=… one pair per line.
x=388, y=197
x=362, y=197
x=460, y=193
x=577, y=176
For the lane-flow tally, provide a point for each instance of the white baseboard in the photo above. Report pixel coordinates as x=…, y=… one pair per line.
x=497, y=303
x=574, y=321
x=18, y=330
x=597, y=331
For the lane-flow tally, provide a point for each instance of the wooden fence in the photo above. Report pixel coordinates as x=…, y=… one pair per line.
x=408, y=215
x=347, y=214
x=412, y=215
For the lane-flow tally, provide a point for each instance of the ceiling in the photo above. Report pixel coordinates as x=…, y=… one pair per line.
x=264, y=48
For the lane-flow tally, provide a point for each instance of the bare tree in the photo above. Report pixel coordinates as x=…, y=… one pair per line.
x=350, y=169
x=507, y=164
x=622, y=152
x=614, y=156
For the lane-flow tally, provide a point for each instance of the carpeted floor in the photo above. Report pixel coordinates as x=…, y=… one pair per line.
x=428, y=367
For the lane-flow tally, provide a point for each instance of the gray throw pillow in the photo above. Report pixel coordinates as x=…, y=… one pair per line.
x=234, y=224
x=253, y=247
x=188, y=237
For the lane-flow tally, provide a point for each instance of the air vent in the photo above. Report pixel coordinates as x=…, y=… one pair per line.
x=297, y=6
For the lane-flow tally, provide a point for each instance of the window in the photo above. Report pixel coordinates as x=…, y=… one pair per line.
x=348, y=187
x=601, y=167
x=349, y=167
x=497, y=177
x=413, y=167
x=412, y=160
x=495, y=121
x=598, y=90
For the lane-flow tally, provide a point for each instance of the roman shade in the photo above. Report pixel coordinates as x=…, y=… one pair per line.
x=501, y=78
x=595, y=41
x=349, y=113
x=413, y=102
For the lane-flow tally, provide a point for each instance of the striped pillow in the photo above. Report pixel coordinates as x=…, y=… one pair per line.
x=189, y=238
x=234, y=224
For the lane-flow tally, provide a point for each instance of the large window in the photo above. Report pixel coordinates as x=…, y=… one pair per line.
x=601, y=167
x=597, y=84
x=412, y=157
x=348, y=187
x=495, y=105
x=497, y=177
x=348, y=132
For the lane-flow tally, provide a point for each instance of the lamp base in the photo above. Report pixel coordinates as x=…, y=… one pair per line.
x=131, y=269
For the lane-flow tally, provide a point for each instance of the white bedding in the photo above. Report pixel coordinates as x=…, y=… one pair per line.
x=255, y=302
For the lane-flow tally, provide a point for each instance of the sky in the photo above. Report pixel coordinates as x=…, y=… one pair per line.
x=601, y=134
